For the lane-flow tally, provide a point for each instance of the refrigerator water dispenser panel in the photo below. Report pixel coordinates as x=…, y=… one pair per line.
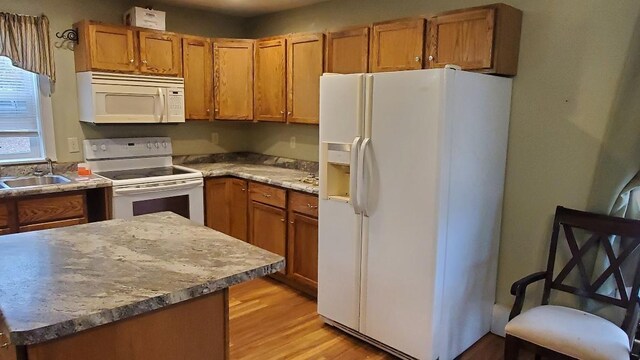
x=337, y=165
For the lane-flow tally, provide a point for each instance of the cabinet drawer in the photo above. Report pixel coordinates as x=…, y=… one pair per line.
x=52, y=224
x=268, y=195
x=303, y=203
x=51, y=208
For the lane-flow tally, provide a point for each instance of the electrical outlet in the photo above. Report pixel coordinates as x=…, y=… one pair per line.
x=292, y=142
x=72, y=144
x=214, y=138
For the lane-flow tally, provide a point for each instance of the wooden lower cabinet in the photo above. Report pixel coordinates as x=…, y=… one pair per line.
x=226, y=206
x=284, y=222
x=193, y=329
x=267, y=227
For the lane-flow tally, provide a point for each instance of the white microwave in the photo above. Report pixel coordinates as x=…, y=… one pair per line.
x=107, y=98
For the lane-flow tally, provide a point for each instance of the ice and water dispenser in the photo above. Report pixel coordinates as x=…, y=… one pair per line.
x=337, y=167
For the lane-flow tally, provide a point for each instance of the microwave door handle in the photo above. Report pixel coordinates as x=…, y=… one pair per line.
x=162, y=104
x=134, y=191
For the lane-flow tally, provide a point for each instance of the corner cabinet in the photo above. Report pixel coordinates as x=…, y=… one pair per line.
x=485, y=39
x=233, y=79
x=397, y=45
x=126, y=49
x=305, y=62
x=348, y=51
x=226, y=206
x=197, y=62
x=269, y=80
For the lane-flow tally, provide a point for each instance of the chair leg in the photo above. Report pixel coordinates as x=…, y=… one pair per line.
x=511, y=348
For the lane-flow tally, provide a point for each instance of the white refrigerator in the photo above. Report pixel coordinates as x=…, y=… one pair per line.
x=412, y=168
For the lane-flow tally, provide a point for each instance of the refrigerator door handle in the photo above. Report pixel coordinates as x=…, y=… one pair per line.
x=362, y=188
x=354, y=171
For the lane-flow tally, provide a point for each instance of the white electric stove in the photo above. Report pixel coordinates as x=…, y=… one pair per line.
x=144, y=177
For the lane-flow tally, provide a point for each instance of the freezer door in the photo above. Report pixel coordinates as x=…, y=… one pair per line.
x=400, y=199
x=340, y=220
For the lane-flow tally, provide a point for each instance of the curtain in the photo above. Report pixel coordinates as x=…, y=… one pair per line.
x=25, y=40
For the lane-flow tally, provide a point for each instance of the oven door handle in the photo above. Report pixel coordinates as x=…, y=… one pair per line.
x=134, y=191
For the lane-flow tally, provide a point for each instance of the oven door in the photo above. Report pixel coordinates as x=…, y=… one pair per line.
x=183, y=197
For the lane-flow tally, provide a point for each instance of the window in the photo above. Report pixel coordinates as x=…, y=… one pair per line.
x=25, y=116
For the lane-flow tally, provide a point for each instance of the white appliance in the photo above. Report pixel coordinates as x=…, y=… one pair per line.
x=109, y=98
x=412, y=171
x=144, y=178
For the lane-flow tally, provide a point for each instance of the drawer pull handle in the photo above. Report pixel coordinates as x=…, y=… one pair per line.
x=312, y=206
x=266, y=195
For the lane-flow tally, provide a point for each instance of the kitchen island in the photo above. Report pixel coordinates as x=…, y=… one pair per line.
x=153, y=287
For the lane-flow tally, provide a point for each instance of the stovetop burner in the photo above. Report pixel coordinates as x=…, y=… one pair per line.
x=141, y=173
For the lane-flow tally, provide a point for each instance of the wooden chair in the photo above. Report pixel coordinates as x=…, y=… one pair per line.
x=558, y=332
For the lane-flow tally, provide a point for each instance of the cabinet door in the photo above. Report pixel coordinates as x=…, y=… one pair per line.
x=197, y=60
x=302, y=259
x=397, y=45
x=160, y=53
x=217, y=204
x=233, y=79
x=269, y=100
x=111, y=48
x=238, y=202
x=267, y=227
x=305, y=54
x=484, y=39
x=348, y=51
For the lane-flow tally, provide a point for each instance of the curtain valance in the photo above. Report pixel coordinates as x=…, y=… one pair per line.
x=25, y=40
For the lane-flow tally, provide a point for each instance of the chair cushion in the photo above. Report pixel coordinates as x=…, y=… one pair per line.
x=571, y=332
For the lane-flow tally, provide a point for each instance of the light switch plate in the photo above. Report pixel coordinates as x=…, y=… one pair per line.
x=73, y=145
x=292, y=142
x=214, y=138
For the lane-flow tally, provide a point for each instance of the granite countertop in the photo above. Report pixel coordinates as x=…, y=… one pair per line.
x=61, y=281
x=286, y=178
x=77, y=183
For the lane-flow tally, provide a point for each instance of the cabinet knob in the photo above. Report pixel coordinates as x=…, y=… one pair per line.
x=430, y=57
x=289, y=113
x=282, y=112
x=291, y=222
x=131, y=61
x=144, y=62
x=266, y=195
x=216, y=110
x=418, y=59
x=4, y=345
x=312, y=206
x=282, y=220
x=208, y=111
x=243, y=189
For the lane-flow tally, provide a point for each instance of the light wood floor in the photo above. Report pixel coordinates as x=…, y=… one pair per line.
x=268, y=320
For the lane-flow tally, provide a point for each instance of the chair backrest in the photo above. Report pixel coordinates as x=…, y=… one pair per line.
x=599, y=230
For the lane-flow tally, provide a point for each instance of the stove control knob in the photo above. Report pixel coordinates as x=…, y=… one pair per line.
x=157, y=145
x=164, y=144
x=103, y=147
x=94, y=147
x=149, y=145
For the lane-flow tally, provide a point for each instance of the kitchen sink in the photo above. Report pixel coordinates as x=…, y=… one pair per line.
x=29, y=181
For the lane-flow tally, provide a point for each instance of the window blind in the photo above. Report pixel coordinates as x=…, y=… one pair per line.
x=19, y=101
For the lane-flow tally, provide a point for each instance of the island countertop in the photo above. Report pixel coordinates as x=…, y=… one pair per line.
x=61, y=281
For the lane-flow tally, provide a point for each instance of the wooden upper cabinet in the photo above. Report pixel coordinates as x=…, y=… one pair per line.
x=233, y=79
x=160, y=53
x=197, y=62
x=105, y=47
x=397, y=45
x=269, y=84
x=485, y=39
x=305, y=54
x=348, y=51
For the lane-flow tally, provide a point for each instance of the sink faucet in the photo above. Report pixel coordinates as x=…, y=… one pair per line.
x=50, y=167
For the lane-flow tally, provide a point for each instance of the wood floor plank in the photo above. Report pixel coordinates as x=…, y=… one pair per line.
x=269, y=320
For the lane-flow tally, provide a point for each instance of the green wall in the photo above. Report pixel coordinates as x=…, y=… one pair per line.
x=575, y=129
x=190, y=138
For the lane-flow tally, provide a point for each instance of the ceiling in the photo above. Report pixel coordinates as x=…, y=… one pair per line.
x=245, y=8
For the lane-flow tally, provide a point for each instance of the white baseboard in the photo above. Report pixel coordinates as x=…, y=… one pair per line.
x=499, y=320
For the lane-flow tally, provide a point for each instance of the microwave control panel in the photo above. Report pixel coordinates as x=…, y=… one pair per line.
x=175, y=99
